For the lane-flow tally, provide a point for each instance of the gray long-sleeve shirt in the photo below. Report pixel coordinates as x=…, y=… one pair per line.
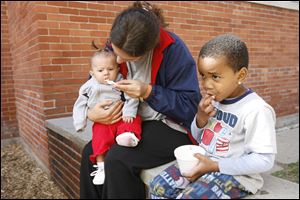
x=91, y=93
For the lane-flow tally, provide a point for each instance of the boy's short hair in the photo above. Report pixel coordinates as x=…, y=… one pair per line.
x=230, y=46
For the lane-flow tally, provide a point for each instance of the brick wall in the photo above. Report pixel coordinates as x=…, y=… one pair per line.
x=28, y=80
x=65, y=159
x=9, y=125
x=45, y=56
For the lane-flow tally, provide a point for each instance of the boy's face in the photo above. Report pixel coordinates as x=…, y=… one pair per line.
x=218, y=79
x=104, y=68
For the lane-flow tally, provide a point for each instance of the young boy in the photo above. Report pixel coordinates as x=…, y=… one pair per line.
x=126, y=132
x=233, y=124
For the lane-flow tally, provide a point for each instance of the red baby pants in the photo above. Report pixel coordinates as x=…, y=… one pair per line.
x=104, y=135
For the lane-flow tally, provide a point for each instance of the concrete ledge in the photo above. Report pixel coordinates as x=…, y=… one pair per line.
x=64, y=127
x=276, y=188
x=273, y=187
x=293, y=5
x=287, y=121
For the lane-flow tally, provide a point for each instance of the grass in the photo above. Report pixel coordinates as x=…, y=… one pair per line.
x=289, y=172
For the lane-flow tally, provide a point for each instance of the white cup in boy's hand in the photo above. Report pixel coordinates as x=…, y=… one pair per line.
x=185, y=157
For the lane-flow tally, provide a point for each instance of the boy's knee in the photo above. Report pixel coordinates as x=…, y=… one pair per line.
x=167, y=184
x=159, y=186
x=155, y=188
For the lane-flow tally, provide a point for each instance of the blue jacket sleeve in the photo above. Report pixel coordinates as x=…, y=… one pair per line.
x=176, y=92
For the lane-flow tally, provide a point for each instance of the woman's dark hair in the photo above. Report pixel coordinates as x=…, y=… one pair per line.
x=229, y=46
x=136, y=30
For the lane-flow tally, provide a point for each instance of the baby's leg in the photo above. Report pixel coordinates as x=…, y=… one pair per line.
x=129, y=134
x=100, y=158
x=127, y=139
x=99, y=172
x=103, y=138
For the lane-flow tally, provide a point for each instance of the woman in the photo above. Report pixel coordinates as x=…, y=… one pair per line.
x=162, y=73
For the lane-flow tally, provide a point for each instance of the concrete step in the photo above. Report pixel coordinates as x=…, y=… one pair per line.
x=276, y=188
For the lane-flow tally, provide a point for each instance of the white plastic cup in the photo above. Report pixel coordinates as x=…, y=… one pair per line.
x=185, y=157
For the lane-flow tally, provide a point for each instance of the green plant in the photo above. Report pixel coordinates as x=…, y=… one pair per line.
x=289, y=172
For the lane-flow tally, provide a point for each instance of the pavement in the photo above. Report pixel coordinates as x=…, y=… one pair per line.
x=287, y=152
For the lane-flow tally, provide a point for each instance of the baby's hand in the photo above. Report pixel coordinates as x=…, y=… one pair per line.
x=206, y=109
x=127, y=119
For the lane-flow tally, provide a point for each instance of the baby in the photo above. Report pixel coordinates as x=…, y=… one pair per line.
x=126, y=132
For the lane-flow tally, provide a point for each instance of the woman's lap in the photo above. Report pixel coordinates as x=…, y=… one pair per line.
x=156, y=147
x=124, y=164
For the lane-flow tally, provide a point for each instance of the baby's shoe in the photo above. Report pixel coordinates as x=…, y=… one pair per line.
x=99, y=175
x=127, y=139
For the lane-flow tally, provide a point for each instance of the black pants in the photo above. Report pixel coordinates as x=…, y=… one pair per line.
x=124, y=164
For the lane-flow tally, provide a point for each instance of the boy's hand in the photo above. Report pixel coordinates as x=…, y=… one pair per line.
x=204, y=166
x=127, y=119
x=205, y=110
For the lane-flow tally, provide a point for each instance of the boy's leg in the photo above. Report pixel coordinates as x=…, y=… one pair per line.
x=168, y=184
x=123, y=165
x=214, y=186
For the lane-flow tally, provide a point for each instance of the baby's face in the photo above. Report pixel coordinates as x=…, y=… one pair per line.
x=218, y=79
x=104, y=68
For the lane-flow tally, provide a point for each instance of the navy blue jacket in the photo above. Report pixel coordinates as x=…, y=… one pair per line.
x=175, y=88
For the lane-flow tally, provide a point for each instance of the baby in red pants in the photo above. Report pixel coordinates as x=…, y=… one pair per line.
x=126, y=132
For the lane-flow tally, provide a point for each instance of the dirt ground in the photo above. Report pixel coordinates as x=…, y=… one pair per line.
x=21, y=178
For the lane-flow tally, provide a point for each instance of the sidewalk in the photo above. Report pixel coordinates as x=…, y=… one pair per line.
x=287, y=152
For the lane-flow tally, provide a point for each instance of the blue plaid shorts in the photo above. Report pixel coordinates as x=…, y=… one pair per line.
x=171, y=185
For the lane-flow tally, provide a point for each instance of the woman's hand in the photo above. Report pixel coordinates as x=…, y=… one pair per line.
x=102, y=114
x=205, y=110
x=204, y=166
x=134, y=88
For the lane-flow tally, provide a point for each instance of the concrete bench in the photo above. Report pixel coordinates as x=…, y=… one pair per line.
x=63, y=130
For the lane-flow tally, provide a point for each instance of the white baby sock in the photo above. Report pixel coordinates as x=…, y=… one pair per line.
x=127, y=139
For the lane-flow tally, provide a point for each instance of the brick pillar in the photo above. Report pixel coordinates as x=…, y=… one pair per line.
x=9, y=125
x=27, y=75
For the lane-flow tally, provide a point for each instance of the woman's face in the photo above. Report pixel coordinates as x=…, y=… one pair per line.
x=123, y=56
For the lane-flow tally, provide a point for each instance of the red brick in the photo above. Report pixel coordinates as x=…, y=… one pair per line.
x=68, y=11
x=46, y=50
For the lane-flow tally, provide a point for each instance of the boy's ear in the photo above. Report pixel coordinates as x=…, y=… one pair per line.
x=243, y=73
